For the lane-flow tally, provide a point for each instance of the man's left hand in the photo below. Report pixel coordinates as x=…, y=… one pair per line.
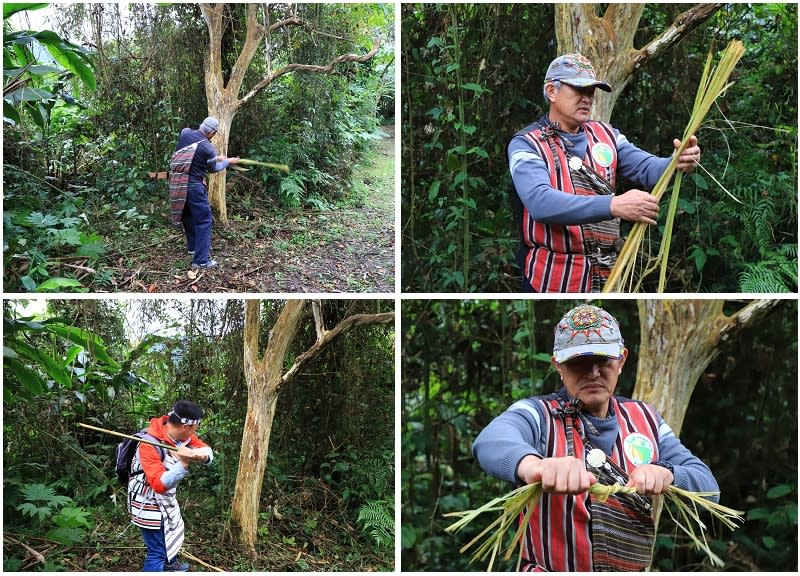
x=651, y=479
x=690, y=157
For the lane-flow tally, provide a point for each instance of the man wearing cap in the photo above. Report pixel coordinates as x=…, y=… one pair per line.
x=581, y=435
x=564, y=168
x=194, y=156
x=155, y=474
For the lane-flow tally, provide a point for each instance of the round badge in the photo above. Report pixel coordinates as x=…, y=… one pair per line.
x=638, y=448
x=575, y=163
x=603, y=154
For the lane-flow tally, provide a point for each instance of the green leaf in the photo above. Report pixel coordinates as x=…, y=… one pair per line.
x=769, y=542
x=408, y=536
x=779, y=491
x=26, y=94
x=28, y=283
x=9, y=353
x=478, y=152
x=28, y=378
x=759, y=513
x=90, y=342
x=433, y=191
x=66, y=536
x=477, y=88
x=11, y=8
x=56, y=284
x=52, y=367
x=699, y=181
x=72, y=353
x=699, y=256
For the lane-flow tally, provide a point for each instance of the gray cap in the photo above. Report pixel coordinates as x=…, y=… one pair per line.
x=587, y=330
x=209, y=125
x=575, y=70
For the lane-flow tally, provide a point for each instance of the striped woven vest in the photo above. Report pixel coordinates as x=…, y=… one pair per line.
x=179, y=166
x=569, y=533
x=571, y=258
x=151, y=510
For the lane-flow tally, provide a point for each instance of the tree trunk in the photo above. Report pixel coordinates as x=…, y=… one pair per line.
x=679, y=340
x=265, y=378
x=608, y=42
x=223, y=99
x=263, y=383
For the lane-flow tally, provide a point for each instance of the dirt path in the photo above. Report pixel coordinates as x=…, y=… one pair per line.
x=349, y=248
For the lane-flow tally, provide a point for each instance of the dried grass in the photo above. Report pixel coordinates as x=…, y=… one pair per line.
x=712, y=84
x=689, y=505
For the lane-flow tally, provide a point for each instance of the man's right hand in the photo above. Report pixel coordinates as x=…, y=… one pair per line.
x=635, y=206
x=566, y=475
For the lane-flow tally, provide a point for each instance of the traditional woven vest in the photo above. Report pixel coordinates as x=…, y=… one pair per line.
x=151, y=510
x=579, y=258
x=568, y=533
x=179, y=166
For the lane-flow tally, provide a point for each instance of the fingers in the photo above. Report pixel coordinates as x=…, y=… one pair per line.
x=650, y=479
x=565, y=475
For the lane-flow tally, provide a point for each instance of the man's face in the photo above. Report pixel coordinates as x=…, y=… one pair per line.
x=593, y=379
x=572, y=106
x=184, y=431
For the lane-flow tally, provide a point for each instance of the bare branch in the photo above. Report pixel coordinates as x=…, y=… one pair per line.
x=341, y=328
x=329, y=69
x=684, y=23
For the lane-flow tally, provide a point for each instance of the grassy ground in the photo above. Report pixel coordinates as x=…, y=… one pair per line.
x=347, y=247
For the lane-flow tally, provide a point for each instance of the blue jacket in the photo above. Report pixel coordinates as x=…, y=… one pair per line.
x=205, y=159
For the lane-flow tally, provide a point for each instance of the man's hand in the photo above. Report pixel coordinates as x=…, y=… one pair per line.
x=651, y=479
x=635, y=206
x=565, y=475
x=189, y=455
x=234, y=160
x=689, y=157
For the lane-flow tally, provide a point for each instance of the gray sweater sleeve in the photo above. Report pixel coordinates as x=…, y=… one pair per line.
x=510, y=437
x=637, y=165
x=690, y=472
x=545, y=203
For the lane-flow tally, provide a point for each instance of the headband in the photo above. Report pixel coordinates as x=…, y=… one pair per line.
x=187, y=421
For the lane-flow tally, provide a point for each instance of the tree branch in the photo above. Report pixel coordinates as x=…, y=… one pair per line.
x=252, y=39
x=329, y=69
x=341, y=328
x=316, y=307
x=684, y=23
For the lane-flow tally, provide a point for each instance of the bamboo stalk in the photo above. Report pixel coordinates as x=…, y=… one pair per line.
x=135, y=438
x=196, y=559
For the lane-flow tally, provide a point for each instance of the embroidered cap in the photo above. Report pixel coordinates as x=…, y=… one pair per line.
x=587, y=330
x=575, y=70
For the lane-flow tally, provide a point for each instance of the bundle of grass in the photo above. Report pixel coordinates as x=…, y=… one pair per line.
x=712, y=84
x=245, y=162
x=522, y=501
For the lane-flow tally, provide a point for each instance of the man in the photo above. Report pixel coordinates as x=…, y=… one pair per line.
x=194, y=156
x=152, y=501
x=581, y=435
x=564, y=168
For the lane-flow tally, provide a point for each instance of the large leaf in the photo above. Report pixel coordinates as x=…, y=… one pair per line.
x=66, y=536
x=27, y=94
x=52, y=367
x=56, y=284
x=11, y=8
x=70, y=56
x=90, y=342
x=28, y=378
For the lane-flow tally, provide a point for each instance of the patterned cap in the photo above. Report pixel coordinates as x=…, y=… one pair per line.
x=575, y=70
x=209, y=125
x=587, y=330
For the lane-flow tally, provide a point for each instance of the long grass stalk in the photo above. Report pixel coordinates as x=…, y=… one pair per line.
x=489, y=542
x=247, y=162
x=712, y=84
